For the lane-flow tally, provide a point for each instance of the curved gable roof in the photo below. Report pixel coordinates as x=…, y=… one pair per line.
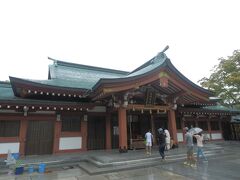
x=143, y=70
x=152, y=66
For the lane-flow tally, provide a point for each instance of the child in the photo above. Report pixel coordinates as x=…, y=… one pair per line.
x=149, y=138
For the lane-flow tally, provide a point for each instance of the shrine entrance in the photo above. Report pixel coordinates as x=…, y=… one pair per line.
x=138, y=125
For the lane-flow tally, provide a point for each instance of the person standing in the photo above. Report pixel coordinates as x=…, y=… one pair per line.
x=168, y=139
x=199, y=138
x=149, y=140
x=162, y=142
x=191, y=161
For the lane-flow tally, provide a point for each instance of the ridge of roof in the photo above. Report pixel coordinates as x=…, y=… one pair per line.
x=161, y=55
x=142, y=66
x=155, y=62
x=75, y=65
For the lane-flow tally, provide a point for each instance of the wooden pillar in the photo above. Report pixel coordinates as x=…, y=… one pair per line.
x=209, y=128
x=220, y=125
x=84, y=126
x=57, y=135
x=153, y=129
x=172, y=124
x=22, y=136
x=108, y=132
x=183, y=126
x=122, y=123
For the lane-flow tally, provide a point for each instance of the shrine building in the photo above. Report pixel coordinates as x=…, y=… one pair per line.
x=80, y=108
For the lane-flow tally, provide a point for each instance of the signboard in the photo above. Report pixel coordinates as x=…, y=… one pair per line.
x=150, y=97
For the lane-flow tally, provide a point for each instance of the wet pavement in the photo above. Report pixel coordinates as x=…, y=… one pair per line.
x=223, y=163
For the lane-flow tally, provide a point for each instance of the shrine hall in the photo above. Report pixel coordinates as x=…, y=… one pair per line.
x=80, y=108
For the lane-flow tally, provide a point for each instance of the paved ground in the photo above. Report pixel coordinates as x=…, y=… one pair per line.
x=223, y=163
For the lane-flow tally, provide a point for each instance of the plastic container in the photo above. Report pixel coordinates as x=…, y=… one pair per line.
x=19, y=170
x=30, y=169
x=16, y=155
x=41, y=168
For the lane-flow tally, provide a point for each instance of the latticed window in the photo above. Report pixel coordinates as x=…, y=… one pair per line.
x=203, y=125
x=190, y=124
x=214, y=125
x=9, y=128
x=71, y=123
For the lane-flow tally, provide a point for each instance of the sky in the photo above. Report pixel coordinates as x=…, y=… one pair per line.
x=116, y=34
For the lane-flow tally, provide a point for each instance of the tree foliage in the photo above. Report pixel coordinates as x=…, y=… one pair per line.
x=225, y=80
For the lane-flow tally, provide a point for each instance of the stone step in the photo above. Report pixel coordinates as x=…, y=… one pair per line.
x=129, y=161
x=154, y=157
x=94, y=168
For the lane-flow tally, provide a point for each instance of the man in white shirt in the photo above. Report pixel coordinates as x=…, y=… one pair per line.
x=148, y=139
x=168, y=138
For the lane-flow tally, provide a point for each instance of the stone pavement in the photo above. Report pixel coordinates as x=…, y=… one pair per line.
x=224, y=163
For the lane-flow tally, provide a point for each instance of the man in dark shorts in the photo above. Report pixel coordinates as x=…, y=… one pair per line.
x=162, y=142
x=191, y=161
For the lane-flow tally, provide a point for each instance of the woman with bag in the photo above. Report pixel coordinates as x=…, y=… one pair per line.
x=199, y=138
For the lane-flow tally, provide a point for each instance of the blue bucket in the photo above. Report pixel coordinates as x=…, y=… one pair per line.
x=30, y=169
x=41, y=168
x=19, y=170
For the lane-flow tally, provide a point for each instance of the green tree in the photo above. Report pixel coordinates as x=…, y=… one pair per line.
x=225, y=80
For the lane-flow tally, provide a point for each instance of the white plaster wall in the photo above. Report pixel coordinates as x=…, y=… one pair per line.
x=70, y=143
x=180, y=137
x=13, y=147
x=216, y=136
x=206, y=136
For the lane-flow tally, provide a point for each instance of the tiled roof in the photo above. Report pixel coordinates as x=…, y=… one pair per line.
x=79, y=76
x=6, y=91
x=64, y=83
x=220, y=108
x=159, y=61
x=7, y=95
x=70, y=75
x=149, y=66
